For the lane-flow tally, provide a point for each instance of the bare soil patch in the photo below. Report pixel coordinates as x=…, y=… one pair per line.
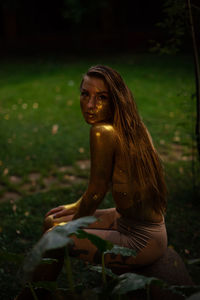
x=66, y=169
x=63, y=177
x=34, y=176
x=177, y=152
x=7, y=196
x=49, y=181
x=83, y=164
x=15, y=179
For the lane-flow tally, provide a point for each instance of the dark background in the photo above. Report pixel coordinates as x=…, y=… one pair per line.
x=82, y=25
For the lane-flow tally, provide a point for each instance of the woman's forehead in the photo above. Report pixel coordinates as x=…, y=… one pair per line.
x=95, y=83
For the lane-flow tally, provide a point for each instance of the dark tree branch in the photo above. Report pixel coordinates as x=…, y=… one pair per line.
x=196, y=7
x=197, y=76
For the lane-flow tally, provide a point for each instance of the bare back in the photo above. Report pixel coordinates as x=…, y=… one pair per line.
x=122, y=191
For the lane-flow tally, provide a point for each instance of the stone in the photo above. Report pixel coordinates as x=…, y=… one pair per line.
x=50, y=181
x=26, y=187
x=171, y=269
x=83, y=164
x=70, y=178
x=11, y=196
x=66, y=169
x=15, y=179
x=34, y=176
x=2, y=187
x=73, y=179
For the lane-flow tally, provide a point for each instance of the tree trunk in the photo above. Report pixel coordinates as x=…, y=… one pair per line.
x=10, y=23
x=197, y=76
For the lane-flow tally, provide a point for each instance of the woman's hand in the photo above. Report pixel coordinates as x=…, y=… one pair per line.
x=64, y=210
x=50, y=221
x=60, y=211
x=58, y=215
x=56, y=210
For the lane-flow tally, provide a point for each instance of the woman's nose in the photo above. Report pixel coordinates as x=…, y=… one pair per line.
x=91, y=103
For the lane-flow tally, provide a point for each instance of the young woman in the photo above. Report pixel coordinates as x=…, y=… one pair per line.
x=124, y=159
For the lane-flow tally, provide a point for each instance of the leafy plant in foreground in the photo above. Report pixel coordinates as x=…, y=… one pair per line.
x=59, y=237
x=195, y=296
x=131, y=282
x=105, y=247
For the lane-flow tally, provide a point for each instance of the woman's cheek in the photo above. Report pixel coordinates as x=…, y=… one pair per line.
x=82, y=106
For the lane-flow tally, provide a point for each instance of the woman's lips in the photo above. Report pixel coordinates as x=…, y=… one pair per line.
x=90, y=115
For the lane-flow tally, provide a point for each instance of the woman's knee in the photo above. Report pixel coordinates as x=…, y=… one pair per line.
x=50, y=221
x=106, y=219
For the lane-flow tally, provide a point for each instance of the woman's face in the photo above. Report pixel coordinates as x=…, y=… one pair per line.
x=95, y=101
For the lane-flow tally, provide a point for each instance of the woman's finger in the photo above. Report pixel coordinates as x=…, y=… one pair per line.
x=54, y=210
x=64, y=212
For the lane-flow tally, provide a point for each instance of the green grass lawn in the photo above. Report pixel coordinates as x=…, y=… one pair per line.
x=35, y=95
x=41, y=130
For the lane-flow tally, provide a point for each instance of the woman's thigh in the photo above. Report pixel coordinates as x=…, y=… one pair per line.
x=85, y=250
x=106, y=219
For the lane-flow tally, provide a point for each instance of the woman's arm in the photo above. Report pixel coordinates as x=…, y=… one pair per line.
x=102, y=149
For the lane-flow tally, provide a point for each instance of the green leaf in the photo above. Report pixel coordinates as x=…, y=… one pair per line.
x=193, y=261
x=121, y=250
x=90, y=294
x=47, y=285
x=195, y=296
x=184, y=290
x=11, y=257
x=101, y=244
x=48, y=261
x=49, y=241
x=54, y=239
x=107, y=271
x=132, y=282
x=73, y=226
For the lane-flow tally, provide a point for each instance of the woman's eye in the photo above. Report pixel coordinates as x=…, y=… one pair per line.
x=102, y=97
x=84, y=94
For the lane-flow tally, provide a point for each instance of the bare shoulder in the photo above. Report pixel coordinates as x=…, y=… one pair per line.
x=103, y=130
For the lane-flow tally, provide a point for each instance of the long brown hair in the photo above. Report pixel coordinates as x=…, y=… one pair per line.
x=144, y=166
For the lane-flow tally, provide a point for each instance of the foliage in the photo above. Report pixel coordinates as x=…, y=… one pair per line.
x=57, y=237
x=174, y=25
x=33, y=201
x=132, y=282
x=77, y=10
x=184, y=290
x=102, y=245
x=121, y=250
x=195, y=296
x=11, y=257
x=105, y=247
x=11, y=3
x=194, y=261
x=107, y=271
